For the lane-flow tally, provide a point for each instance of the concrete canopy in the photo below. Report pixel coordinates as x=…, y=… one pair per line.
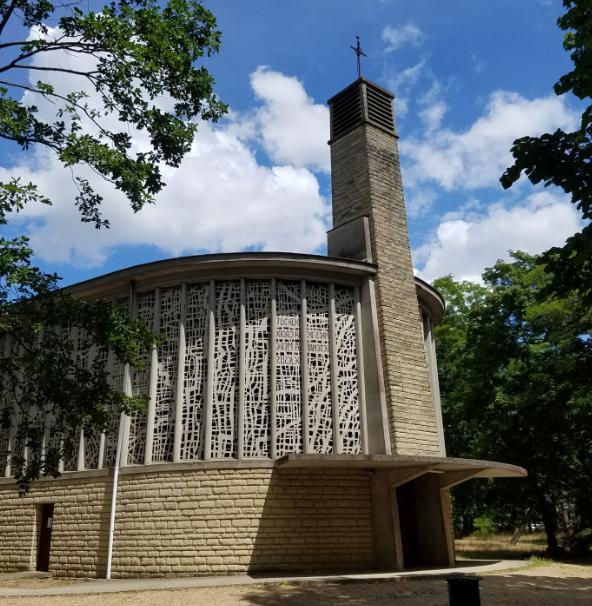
x=473, y=468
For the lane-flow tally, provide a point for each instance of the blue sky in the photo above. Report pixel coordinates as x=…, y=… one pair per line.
x=469, y=78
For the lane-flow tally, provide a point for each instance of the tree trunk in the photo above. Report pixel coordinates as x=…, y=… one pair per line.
x=548, y=520
x=520, y=530
x=467, y=525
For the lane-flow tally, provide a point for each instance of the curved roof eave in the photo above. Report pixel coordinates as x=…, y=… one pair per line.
x=431, y=299
x=225, y=264
x=432, y=464
x=249, y=263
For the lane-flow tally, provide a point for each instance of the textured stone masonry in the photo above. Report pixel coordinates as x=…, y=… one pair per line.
x=192, y=523
x=366, y=180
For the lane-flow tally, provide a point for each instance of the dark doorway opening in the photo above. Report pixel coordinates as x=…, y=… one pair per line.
x=45, y=538
x=408, y=524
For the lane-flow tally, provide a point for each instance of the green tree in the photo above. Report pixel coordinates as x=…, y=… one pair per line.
x=516, y=387
x=563, y=159
x=136, y=69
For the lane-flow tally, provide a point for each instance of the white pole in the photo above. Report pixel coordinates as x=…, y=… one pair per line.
x=114, y=496
x=122, y=436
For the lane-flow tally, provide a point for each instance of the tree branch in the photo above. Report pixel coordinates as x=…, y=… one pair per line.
x=55, y=69
x=56, y=45
x=7, y=15
x=29, y=140
x=47, y=96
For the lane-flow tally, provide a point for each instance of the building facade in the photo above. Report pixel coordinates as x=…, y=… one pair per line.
x=294, y=418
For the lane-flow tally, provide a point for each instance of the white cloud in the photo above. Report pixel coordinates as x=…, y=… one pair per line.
x=219, y=200
x=478, y=65
x=478, y=157
x=402, y=83
x=396, y=37
x=294, y=129
x=432, y=116
x=465, y=243
x=408, y=77
x=419, y=201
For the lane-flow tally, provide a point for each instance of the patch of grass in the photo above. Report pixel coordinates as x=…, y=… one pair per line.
x=28, y=583
x=535, y=562
x=497, y=546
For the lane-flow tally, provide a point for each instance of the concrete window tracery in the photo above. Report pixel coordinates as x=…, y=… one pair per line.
x=257, y=375
x=320, y=429
x=288, y=397
x=244, y=312
x=168, y=360
x=141, y=382
x=198, y=301
x=227, y=313
x=347, y=371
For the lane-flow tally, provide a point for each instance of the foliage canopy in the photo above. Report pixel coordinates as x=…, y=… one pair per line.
x=135, y=70
x=516, y=387
x=563, y=159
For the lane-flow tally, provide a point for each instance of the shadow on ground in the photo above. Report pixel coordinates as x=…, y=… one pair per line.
x=396, y=592
x=501, y=590
x=537, y=590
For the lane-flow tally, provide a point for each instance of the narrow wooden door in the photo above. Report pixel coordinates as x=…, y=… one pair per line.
x=45, y=538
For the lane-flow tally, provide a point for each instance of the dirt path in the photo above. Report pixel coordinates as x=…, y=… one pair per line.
x=550, y=585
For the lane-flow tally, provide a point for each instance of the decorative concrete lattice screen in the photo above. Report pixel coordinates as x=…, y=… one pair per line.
x=250, y=369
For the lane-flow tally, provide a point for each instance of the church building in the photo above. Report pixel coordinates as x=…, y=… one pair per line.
x=294, y=420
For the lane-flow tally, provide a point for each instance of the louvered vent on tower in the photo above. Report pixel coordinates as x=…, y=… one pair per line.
x=346, y=111
x=380, y=108
x=362, y=101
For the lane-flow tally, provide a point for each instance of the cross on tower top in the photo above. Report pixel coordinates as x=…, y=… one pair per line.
x=358, y=50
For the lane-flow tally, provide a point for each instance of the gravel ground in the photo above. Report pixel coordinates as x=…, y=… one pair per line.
x=549, y=585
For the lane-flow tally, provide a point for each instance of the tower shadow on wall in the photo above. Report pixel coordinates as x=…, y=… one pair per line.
x=314, y=520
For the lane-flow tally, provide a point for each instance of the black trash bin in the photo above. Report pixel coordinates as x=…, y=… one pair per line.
x=463, y=590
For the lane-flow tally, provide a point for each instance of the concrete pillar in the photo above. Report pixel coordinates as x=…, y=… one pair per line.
x=361, y=376
x=430, y=349
x=307, y=446
x=153, y=386
x=180, y=384
x=386, y=530
x=386, y=542
x=211, y=344
x=273, y=374
x=432, y=517
x=431, y=525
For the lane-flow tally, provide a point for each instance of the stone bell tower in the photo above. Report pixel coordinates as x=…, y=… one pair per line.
x=369, y=223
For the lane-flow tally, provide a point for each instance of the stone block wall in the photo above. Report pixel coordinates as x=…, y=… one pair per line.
x=366, y=180
x=190, y=523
